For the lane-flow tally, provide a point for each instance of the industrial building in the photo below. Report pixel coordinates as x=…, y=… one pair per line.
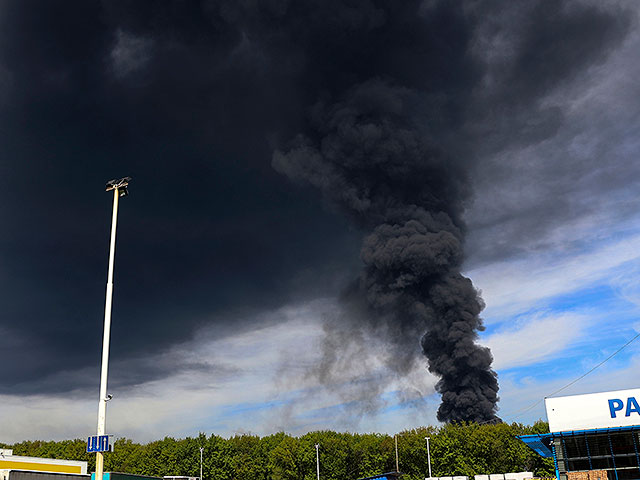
x=9, y=461
x=123, y=476
x=592, y=437
x=492, y=476
x=39, y=475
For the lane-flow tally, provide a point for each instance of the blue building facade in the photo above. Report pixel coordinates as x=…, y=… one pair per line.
x=613, y=450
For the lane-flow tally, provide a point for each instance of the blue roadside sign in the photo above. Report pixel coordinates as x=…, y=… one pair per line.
x=98, y=443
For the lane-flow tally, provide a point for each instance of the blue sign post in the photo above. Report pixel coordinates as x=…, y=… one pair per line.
x=99, y=443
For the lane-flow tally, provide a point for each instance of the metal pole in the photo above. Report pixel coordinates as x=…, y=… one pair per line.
x=318, y=461
x=201, y=450
x=102, y=405
x=396, y=439
x=428, y=456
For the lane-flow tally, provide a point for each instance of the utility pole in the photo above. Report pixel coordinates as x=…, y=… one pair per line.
x=396, y=439
x=119, y=188
x=318, y=461
x=428, y=456
x=201, y=450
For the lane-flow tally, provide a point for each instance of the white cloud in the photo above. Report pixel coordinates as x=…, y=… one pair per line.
x=535, y=339
x=519, y=393
x=627, y=285
x=514, y=287
x=270, y=391
x=43, y=417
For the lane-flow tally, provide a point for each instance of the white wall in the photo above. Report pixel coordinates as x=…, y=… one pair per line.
x=619, y=408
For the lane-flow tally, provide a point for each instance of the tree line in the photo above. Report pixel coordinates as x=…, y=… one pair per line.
x=456, y=449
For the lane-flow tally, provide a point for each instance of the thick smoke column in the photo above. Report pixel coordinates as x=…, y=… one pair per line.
x=371, y=159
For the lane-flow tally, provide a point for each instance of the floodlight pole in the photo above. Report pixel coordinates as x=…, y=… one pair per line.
x=395, y=437
x=318, y=461
x=102, y=405
x=201, y=450
x=428, y=456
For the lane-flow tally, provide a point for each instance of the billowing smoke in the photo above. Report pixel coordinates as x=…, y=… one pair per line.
x=403, y=99
x=395, y=104
x=371, y=158
x=371, y=149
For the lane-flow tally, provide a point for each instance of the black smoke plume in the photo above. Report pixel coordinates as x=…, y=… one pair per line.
x=371, y=159
x=370, y=149
x=409, y=91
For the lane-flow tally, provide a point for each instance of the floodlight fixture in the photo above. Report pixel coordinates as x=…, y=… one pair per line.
x=120, y=184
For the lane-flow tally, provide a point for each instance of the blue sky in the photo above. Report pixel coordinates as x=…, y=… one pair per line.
x=583, y=308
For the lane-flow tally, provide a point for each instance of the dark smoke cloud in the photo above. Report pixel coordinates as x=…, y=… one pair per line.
x=375, y=154
x=400, y=106
x=372, y=161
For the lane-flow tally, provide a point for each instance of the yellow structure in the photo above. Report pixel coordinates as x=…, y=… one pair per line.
x=8, y=461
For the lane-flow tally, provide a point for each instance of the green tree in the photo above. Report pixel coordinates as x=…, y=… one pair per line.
x=456, y=449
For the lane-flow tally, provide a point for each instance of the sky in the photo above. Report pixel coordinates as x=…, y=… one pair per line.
x=236, y=248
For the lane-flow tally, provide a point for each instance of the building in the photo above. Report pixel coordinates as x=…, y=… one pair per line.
x=384, y=476
x=492, y=476
x=592, y=437
x=9, y=461
x=123, y=476
x=39, y=475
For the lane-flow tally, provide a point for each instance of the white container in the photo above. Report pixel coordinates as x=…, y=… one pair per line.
x=518, y=475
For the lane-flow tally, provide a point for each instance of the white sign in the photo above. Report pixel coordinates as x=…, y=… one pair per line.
x=596, y=410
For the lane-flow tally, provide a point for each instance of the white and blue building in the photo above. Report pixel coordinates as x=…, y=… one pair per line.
x=598, y=432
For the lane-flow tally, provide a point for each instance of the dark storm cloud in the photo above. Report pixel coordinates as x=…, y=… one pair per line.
x=209, y=232
x=191, y=99
x=542, y=157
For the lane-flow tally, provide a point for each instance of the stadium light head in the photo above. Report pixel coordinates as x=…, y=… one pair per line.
x=121, y=184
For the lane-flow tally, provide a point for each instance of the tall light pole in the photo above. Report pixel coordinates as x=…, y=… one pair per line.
x=119, y=188
x=201, y=450
x=318, y=461
x=428, y=456
x=395, y=438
